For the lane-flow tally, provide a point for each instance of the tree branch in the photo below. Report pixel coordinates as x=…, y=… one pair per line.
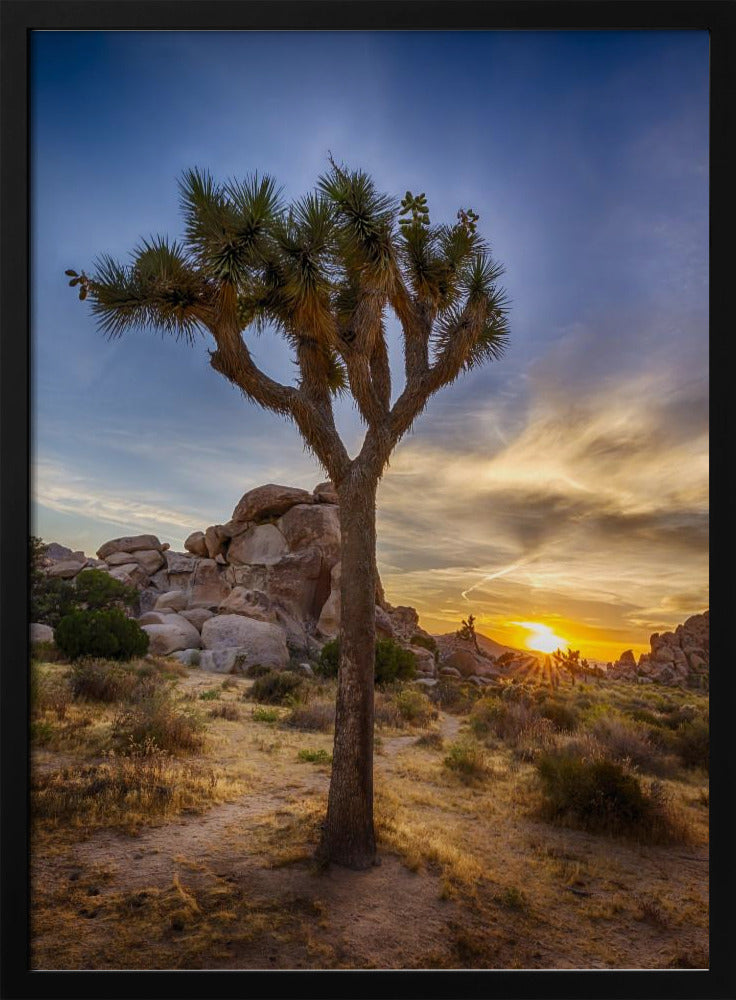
x=233, y=360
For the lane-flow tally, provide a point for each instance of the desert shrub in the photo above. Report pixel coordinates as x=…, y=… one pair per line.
x=452, y=696
x=484, y=714
x=563, y=717
x=503, y=719
x=467, y=759
x=426, y=642
x=97, y=590
x=276, y=688
x=692, y=743
x=257, y=670
x=329, y=659
x=107, y=634
x=602, y=796
x=211, y=694
x=315, y=756
x=158, y=722
x=317, y=716
x=226, y=710
x=628, y=741
x=415, y=707
x=48, y=693
x=51, y=599
x=393, y=662
x=268, y=715
x=537, y=737
x=432, y=740
x=386, y=711
x=46, y=652
x=100, y=680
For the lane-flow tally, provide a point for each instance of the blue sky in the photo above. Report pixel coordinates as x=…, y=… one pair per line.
x=567, y=483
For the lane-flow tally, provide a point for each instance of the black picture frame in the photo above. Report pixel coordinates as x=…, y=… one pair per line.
x=19, y=18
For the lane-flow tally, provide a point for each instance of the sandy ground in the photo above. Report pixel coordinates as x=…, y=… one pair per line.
x=243, y=873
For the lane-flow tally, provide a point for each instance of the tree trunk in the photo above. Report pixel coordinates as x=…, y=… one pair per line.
x=348, y=836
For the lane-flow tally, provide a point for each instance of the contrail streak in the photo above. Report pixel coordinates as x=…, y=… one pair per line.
x=493, y=576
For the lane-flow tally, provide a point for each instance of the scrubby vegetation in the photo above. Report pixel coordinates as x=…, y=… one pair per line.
x=393, y=662
x=512, y=800
x=276, y=688
x=108, y=633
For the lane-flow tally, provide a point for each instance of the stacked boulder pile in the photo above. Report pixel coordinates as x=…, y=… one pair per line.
x=263, y=588
x=460, y=658
x=680, y=658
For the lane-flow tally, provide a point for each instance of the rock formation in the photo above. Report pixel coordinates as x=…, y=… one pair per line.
x=260, y=588
x=680, y=658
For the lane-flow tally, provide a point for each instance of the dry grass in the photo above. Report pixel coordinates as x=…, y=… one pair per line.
x=471, y=877
x=126, y=792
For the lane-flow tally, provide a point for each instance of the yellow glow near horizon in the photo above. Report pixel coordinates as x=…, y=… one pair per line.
x=541, y=637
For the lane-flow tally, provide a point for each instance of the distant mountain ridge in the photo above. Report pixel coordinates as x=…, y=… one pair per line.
x=488, y=645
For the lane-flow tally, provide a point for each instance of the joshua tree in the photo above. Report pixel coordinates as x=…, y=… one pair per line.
x=571, y=662
x=323, y=271
x=467, y=631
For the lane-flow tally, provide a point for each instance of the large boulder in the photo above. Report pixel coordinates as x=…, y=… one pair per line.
x=208, y=587
x=316, y=526
x=260, y=642
x=131, y=574
x=175, y=633
x=215, y=540
x=181, y=562
x=261, y=544
x=268, y=501
x=174, y=600
x=300, y=583
x=151, y=560
x=130, y=543
x=197, y=616
x=41, y=633
x=196, y=544
x=67, y=569
x=251, y=603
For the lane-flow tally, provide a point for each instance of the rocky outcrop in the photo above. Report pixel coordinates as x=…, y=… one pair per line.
x=680, y=658
x=275, y=565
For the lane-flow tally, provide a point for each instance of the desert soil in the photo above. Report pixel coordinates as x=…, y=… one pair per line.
x=467, y=876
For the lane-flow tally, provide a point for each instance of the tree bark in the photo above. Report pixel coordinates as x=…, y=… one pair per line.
x=348, y=836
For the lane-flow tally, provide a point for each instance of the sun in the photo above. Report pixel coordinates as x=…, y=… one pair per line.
x=541, y=638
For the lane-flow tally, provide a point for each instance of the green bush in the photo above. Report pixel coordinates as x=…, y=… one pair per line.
x=329, y=659
x=97, y=590
x=468, y=760
x=427, y=642
x=51, y=599
x=415, y=707
x=108, y=634
x=563, y=717
x=603, y=797
x=393, y=662
x=453, y=696
x=276, y=688
x=268, y=715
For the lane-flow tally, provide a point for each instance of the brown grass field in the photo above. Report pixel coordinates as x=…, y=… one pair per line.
x=201, y=856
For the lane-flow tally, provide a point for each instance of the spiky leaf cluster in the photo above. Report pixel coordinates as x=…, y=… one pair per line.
x=322, y=270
